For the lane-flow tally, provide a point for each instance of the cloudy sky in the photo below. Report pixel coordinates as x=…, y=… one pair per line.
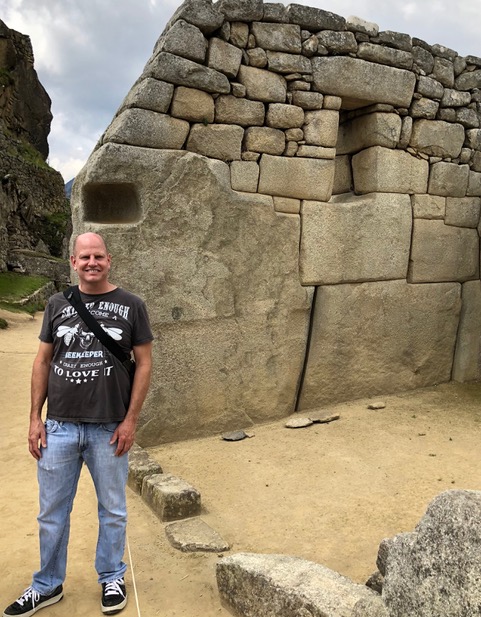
x=88, y=53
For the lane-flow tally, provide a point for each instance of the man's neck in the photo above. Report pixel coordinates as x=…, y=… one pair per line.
x=95, y=289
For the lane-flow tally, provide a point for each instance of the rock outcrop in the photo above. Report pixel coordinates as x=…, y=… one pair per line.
x=274, y=162
x=34, y=214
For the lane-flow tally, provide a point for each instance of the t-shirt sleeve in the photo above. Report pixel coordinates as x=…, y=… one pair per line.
x=142, y=331
x=46, y=334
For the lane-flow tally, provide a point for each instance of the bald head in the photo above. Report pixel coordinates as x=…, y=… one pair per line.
x=88, y=238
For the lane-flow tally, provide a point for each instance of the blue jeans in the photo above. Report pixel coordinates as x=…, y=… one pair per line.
x=69, y=445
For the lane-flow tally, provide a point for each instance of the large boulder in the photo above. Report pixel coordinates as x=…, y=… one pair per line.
x=434, y=570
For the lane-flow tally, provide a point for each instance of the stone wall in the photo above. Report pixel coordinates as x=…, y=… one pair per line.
x=297, y=196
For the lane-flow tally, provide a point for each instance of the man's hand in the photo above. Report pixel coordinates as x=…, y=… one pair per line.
x=124, y=436
x=36, y=436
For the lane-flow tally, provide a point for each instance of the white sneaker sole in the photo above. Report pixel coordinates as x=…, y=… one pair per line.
x=111, y=610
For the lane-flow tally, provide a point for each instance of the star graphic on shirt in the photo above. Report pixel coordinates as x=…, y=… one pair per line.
x=78, y=381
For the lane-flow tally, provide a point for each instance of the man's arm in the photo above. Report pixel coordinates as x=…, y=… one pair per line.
x=40, y=372
x=125, y=433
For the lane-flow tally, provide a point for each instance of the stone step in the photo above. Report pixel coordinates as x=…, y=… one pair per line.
x=171, y=498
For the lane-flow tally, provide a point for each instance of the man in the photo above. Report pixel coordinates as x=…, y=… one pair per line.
x=92, y=412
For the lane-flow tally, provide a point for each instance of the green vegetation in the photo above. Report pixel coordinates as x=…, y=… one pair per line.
x=53, y=228
x=3, y=324
x=14, y=287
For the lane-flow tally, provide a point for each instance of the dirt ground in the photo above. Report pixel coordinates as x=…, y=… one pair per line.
x=328, y=493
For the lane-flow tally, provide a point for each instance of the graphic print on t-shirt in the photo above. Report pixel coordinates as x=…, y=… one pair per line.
x=92, y=360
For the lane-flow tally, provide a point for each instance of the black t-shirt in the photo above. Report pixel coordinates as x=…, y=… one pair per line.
x=87, y=383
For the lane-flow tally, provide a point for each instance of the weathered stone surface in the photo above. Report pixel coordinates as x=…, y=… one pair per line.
x=257, y=57
x=307, y=100
x=229, y=349
x=332, y=102
x=287, y=205
x=385, y=55
x=467, y=117
x=192, y=105
x=200, y=13
x=466, y=366
x=342, y=175
x=278, y=37
x=219, y=141
x=396, y=40
x=443, y=71
x=183, y=39
x=448, y=179
x=321, y=128
x=262, y=85
x=233, y=110
x=406, y=132
x=376, y=325
x=435, y=569
x=423, y=59
x=355, y=239
x=338, y=42
x=316, y=152
x=378, y=129
x=275, y=12
x=437, y=138
x=474, y=184
x=281, y=116
x=244, y=176
x=443, y=253
x=296, y=177
x=363, y=81
x=462, y=211
x=473, y=138
x=288, y=63
x=224, y=57
x=171, y=498
x=429, y=87
x=150, y=94
x=141, y=127
x=294, y=134
x=194, y=535
x=183, y=72
x=141, y=466
x=454, y=98
x=389, y=171
x=428, y=207
x=356, y=24
x=280, y=586
x=469, y=80
x=298, y=422
x=424, y=108
x=265, y=139
x=314, y=19
x=241, y=10
x=239, y=34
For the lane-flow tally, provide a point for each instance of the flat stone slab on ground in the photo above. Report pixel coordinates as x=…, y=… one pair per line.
x=298, y=422
x=194, y=535
x=323, y=417
x=281, y=586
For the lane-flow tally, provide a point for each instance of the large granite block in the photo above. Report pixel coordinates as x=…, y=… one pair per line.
x=300, y=178
x=377, y=129
x=443, y=253
x=467, y=359
x=355, y=239
x=375, y=338
x=382, y=170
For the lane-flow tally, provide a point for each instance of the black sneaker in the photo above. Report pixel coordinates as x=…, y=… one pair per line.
x=31, y=601
x=114, y=596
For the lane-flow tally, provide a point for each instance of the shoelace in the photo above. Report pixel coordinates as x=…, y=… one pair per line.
x=113, y=588
x=27, y=594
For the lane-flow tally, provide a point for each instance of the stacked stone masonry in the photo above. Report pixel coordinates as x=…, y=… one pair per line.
x=359, y=152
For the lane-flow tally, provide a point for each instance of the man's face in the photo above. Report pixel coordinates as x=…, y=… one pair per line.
x=91, y=260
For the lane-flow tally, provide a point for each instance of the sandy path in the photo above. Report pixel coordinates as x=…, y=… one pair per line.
x=328, y=493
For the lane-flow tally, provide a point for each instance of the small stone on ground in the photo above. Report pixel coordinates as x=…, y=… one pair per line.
x=377, y=405
x=194, y=535
x=298, y=423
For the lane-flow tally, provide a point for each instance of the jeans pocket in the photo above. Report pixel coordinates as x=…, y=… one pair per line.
x=51, y=426
x=110, y=427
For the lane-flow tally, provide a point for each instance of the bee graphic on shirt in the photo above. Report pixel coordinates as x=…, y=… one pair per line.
x=85, y=336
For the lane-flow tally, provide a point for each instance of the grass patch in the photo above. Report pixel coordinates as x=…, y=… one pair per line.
x=14, y=287
x=3, y=324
